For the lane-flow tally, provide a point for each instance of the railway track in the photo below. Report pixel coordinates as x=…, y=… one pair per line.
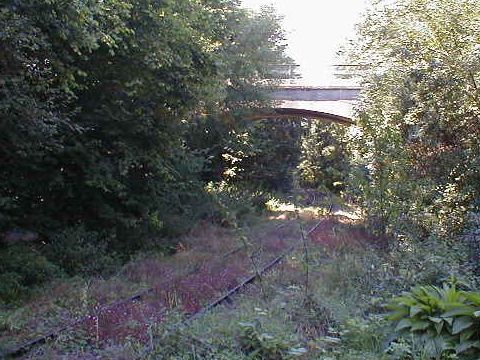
x=28, y=346
x=227, y=298
x=251, y=279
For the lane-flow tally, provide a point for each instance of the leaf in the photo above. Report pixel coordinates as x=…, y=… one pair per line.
x=448, y=320
x=461, y=324
x=415, y=310
x=439, y=327
x=419, y=325
x=434, y=346
x=398, y=314
x=473, y=297
x=467, y=345
x=467, y=334
x=459, y=310
x=403, y=324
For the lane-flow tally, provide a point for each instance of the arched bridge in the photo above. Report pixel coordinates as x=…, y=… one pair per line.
x=330, y=104
x=282, y=112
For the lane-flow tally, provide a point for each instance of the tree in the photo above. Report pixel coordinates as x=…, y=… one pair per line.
x=96, y=99
x=324, y=162
x=419, y=114
x=239, y=150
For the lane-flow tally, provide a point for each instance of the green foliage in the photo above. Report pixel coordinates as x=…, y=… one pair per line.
x=235, y=203
x=116, y=142
x=180, y=346
x=443, y=319
x=257, y=44
x=418, y=143
x=355, y=275
x=471, y=237
x=112, y=109
x=237, y=150
x=78, y=251
x=261, y=345
x=21, y=269
x=365, y=335
x=96, y=108
x=324, y=162
x=258, y=154
x=264, y=154
x=428, y=262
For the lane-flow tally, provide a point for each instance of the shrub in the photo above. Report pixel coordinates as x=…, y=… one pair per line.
x=418, y=134
x=21, y=268
x=235, y=202
x=263, y=155
x=443, y=319
x=428, y=262
x=261, y=345
x=79, y=251
x=472, y=238
x=323, y=161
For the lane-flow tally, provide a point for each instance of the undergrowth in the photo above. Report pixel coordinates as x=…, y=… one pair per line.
x=342, y=316
x=325, y=301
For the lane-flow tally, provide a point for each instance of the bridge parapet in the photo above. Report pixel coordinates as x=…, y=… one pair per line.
x=301, y=93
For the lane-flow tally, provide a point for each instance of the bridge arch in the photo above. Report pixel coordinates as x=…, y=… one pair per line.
x=308, y=102
x=278, y=113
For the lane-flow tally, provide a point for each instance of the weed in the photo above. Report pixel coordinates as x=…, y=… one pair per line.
x=312, y=319
x=261, y=345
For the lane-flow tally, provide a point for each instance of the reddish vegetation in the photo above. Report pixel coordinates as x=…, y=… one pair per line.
x=131, y=319
x=334, y=232
x=211, y=277
x=188, y=281
x=208, y=264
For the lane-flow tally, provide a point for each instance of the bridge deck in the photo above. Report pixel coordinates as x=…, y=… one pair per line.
x=301, y=93
x=335, y=100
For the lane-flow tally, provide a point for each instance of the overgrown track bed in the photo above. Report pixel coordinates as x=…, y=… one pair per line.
x=243, y=284
x=300, y=307
x=251, y=279
x=133, y=317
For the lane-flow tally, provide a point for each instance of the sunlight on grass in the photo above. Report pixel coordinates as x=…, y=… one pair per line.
x=352, y=215
x=275, y=205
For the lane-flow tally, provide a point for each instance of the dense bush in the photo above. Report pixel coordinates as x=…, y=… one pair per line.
x=271, y=155
x=418, y=118
x=78, y=251
x=324, y=159
x=90, y=121
x=264, y=154
x=97, y=100
x=21, y=269
x=471, y=237
x=108, y=149
x=415, y=163
x=260, y=345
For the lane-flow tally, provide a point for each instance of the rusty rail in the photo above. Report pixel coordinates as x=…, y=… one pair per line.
x=29, y=345
x=232, y=292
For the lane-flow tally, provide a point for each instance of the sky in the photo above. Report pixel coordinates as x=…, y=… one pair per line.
x=316, y=29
